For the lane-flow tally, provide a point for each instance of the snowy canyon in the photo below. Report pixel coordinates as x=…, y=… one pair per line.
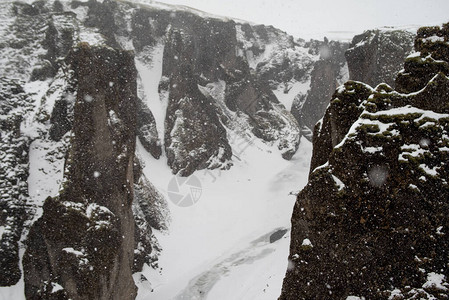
x=151, y=151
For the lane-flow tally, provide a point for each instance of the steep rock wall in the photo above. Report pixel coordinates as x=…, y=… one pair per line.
x=202, y=53
x=84, y=241
x=14, y=149
x=194, y=134
x=376, y=56
x=328, y=72
x=370, y=222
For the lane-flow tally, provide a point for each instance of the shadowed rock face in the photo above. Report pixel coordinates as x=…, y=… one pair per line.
x=147, y=131
x=203, y=53
x=193, y=134
x=323, y=84
x=328, y=72
x=373, y=57
x=376, y=56
x=14, y=149
x=209, y=46
x=150, y=211
x=419, y=69
x=85, y=217
x=339, y=117
x=374, y=209
x=220, y=50
x=84, y=240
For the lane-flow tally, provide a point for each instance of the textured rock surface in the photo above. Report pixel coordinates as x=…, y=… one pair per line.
x=147, y=131
x=230, y=76
x=373, y=57
x=84, y=240
x=210, y=50
x=193, y=56
x=420, y=68
x=374, y=209
x=251, y=60
x=328, y=72
x=193, y=132
x=376, y=56
x=150, y=212
x=14, y=149
x=342, y=112
x=38, y=120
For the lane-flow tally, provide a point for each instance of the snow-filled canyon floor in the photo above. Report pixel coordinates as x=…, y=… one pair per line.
x=219, y=247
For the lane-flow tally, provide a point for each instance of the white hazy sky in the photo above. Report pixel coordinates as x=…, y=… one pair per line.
x=331, y=18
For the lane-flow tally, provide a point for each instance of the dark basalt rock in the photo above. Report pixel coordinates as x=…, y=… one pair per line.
x=208, y=46
x=142, y=32
x=58, y=40
x=420, y=68
x=325, y=78
x=374, y=209
x=152, y=204
x=323, y=84
x=61, y=118
x=150, y=211
x=84, y=240
x=191, y=142
x=376, y=56
x=60, y=35
x=268, y=119
x=43, y=72
x=21, y=37
x=194, y=137
x=101, y=15
x=204, y=52
x=193, y=132
x=373, y=57
x=283, y=68
x=34, y=9
x=344, y=109
x=14, y=149
x=147, y=131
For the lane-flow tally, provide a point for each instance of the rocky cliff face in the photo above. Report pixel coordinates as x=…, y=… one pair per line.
x=147, y=131
x=206, y=70
x=370, y=222
x=50, y=118
x=376, y=56
x=14, y=149
x=328, y=72
x=373, y=57
x=194, y=137
x=250, y=75
x=83, y=100
x=84, y=241
x=70, y=118
x=205, y=76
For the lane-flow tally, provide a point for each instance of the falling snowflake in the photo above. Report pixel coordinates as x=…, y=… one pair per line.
x=88, y=98
x=377, y=175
